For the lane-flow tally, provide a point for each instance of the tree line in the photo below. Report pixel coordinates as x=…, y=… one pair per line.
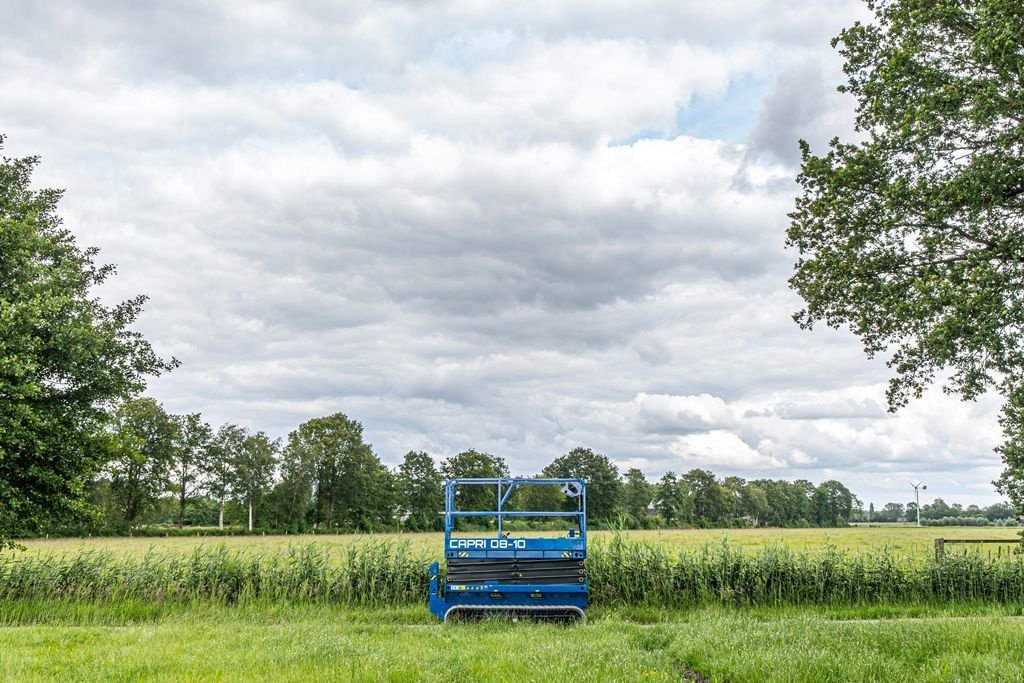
x=177, y=469
x=938, y=510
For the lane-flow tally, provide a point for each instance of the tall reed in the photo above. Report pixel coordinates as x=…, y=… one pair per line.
x=620, y=571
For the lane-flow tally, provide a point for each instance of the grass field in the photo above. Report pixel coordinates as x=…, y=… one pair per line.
x=150, y=608
x=906, y=539
x=318, y=643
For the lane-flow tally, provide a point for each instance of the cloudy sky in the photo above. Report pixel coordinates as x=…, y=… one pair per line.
x=514, y=226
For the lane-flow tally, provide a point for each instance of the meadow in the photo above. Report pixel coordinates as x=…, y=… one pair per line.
x=322, y=642
x=902, y=539
x=737, y=605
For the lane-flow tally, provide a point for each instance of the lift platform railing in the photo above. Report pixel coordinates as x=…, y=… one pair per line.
x=502, y=545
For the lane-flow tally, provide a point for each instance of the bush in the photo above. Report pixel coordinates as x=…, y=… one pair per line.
x=956, y=521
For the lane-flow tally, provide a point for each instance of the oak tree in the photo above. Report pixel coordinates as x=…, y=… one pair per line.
x=912, y=236
x=66, y=358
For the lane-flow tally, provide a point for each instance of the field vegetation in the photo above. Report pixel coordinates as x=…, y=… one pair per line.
x=324, y=642
x=697, y=605
x=622, y=571
x=895, y=538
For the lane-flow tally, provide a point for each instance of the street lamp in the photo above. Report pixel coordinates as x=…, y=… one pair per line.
x=917, y=498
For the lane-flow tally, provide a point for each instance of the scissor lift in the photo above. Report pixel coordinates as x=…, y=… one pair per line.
x=537, y=578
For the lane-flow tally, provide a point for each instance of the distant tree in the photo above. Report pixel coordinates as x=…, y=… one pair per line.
x=891, y=512
x=540, y=498
x=912, y=237
x=252, y=469
x=189, y=456
x=293, y=495
x=776, y=500
x=145, y=440
x=604, y=488
x=421, y=492
x=672, y=500
x=800, y=492
x=832, y=504
x=999, y=511
x=224, y=448
x=472, y=463
x=350, y=485
x=65, y=359
x=709, y=505
x=938, y=509
x=753, y=504
x=637, y=494
x=732, y=492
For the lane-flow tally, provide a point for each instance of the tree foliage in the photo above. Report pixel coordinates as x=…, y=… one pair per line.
x=65, y=358
x=913, y=237
x=252, y=469
x=708, y=499
x=604, y=488
x=139, y=470
x=189, y=459
x=671, y=499
x=350, y=486
x=421, y=492
x=473, y=463
x=224, y=448
x=637, y=493
x=831, y=503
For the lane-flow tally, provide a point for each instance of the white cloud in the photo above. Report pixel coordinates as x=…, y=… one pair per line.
x=424, y=215
x=718, y=449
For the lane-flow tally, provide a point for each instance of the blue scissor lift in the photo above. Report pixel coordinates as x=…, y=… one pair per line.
x=541, y=578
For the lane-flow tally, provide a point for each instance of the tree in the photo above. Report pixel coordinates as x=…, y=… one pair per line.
x=752, y=506
x=732, y=490
x=421, y=492
x=637, y=494
x=540, y=498
x=672, y=500
x=139, y=470
x=189, y=456
x=892, y=512
x=999, y=511
x=939, y=509
x=604, y=488
x=350, y=485
x=65, y=358
x=473, y=463
x=831, y=504
x=293, y=495
x=914, y=237
x=708, y=498
x=252, y=469
x=224, y=448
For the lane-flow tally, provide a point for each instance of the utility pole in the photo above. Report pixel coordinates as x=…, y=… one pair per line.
x=917, y=498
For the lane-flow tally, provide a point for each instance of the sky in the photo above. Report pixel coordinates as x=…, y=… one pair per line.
x=519, y=227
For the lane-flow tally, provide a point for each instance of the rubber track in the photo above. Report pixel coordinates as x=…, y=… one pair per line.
x=562, y=613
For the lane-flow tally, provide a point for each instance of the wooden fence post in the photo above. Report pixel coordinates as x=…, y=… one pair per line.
x=940, y=549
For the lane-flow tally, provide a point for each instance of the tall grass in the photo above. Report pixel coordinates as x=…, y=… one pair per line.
x=371, y=574
x=623, y=572
x=389, y=573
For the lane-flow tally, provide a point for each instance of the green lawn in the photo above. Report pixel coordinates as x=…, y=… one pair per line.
x=316, y=643
x=900, y=538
